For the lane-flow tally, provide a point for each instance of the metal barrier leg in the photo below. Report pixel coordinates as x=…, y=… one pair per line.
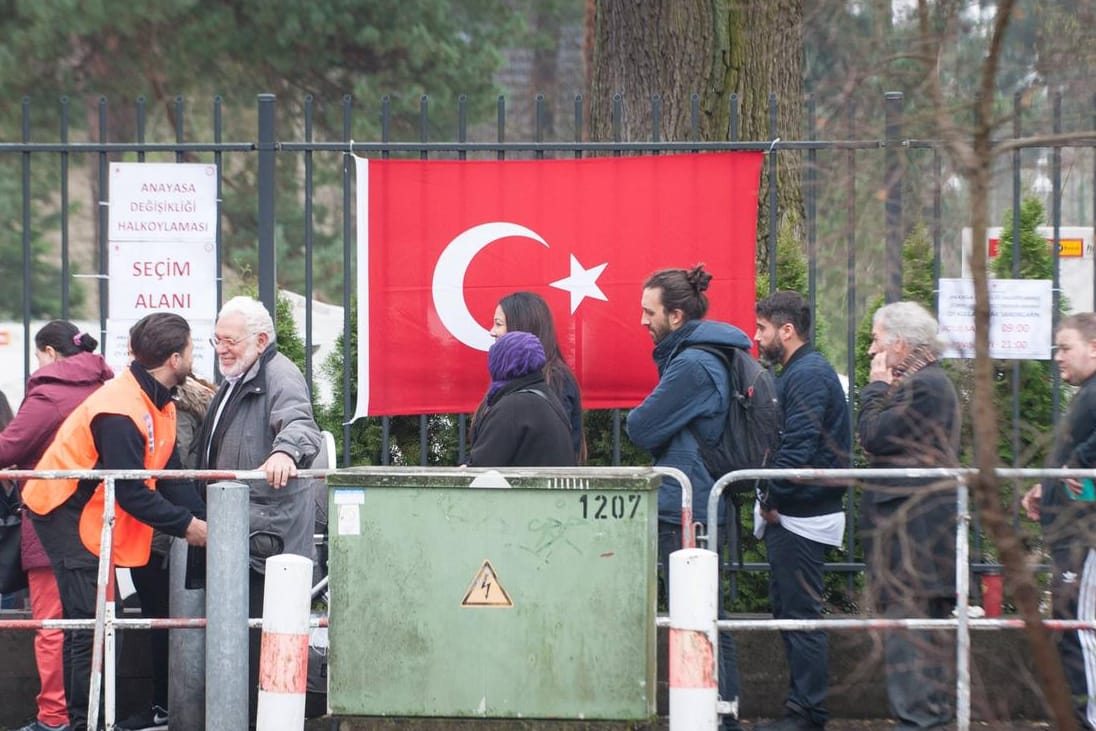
x=110, y=664
x=104, y=596
x=226, y=607
x=283, y=668
x=962, y=587
x=186, y=682
x=694, y=661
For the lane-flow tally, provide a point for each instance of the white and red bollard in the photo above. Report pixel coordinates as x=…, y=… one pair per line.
x=283, y=664
x=694, y=646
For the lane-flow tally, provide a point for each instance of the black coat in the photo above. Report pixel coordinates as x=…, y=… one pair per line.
x=1069, y=523
x=522, y=425
x=909, y=524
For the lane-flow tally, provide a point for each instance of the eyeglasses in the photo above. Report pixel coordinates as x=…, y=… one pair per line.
x=217, y=342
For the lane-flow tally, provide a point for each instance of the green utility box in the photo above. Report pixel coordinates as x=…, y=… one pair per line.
x=452, y=599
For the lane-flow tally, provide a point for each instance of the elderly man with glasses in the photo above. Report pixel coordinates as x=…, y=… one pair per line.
x=261, y=418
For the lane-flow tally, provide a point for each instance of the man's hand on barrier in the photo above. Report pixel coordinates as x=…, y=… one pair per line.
x=1030, y=501
x=771, y=516
x=279, y=467
x=196, y=532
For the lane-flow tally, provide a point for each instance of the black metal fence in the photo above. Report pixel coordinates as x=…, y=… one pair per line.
x=862, y=191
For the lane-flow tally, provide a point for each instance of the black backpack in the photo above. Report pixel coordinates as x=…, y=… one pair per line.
x=752, y=431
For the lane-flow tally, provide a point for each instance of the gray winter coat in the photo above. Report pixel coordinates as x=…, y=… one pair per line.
x=267, y=411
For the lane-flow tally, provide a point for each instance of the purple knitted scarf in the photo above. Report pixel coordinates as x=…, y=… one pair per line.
x=513, y=355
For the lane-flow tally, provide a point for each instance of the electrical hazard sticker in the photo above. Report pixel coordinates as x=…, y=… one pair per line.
x=486, y=591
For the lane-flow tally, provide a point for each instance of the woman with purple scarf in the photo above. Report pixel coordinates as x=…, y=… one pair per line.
x=520, y=422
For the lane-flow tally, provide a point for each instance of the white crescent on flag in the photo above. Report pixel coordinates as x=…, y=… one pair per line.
x=448, y=283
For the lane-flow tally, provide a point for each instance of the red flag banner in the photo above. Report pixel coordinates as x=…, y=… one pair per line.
x=441, y=242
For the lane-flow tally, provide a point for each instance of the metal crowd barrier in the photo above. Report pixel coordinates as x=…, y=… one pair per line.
x=962, y=623
x=106, y=622
x=103, y=680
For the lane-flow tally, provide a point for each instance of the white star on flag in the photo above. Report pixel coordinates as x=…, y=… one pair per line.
x=582, y=283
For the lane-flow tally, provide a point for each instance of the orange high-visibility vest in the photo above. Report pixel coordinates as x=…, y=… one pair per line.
x=73, y=448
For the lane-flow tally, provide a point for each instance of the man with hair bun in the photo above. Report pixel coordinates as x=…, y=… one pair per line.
x=692, y=392
x=127, y=424
x=910, y=418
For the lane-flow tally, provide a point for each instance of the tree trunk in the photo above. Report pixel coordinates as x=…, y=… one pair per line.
x=546, y=72
x=711, y=49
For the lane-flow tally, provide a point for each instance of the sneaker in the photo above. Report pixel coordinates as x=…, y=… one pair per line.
x=37, y=725
x=153, y=718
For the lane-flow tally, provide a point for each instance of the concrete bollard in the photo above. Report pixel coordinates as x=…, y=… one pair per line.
x=693, y=673
x=283, y=664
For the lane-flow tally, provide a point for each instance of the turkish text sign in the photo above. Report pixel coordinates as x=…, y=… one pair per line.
x=1020, y=318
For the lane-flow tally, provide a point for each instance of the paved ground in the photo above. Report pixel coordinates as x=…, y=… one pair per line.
x=882, y=725
x=439, y=724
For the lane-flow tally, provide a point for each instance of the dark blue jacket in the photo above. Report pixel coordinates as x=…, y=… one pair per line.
x=816, y=433
x=692, y=387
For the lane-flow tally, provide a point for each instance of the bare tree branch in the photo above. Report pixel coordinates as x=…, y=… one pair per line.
x=973, y=153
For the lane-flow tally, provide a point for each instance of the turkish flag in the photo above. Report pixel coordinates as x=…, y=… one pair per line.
x=441, y=242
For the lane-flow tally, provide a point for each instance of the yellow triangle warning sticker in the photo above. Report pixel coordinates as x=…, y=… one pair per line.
x=485, y=590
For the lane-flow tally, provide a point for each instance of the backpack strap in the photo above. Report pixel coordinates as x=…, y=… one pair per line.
x=554, y=403
x=701, y=443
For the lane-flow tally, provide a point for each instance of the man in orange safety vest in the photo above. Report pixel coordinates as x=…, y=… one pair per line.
x=128, y=424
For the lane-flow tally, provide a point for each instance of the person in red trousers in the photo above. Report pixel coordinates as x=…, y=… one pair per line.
x=69, y=370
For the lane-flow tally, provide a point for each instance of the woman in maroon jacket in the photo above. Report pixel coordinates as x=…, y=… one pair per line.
x=68, y=372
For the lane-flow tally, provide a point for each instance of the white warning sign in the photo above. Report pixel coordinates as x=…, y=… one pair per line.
x=485, y=590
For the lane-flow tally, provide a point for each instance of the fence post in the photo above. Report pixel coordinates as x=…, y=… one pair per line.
x=226, y=607
x=268, y=282
x=283, y=665
x=693, y=665
x=893, y=207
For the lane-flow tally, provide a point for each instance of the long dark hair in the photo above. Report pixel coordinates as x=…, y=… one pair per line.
x=528, y=312
x=65, y=338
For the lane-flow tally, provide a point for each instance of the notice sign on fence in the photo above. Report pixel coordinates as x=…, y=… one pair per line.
x=163, y=230
x=163, y=202
x=154, y=276
x=1020, y=317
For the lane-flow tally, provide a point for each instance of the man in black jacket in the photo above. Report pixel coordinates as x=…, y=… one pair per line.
x=909, y=417
x=798, y=520
x=1066, y=509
